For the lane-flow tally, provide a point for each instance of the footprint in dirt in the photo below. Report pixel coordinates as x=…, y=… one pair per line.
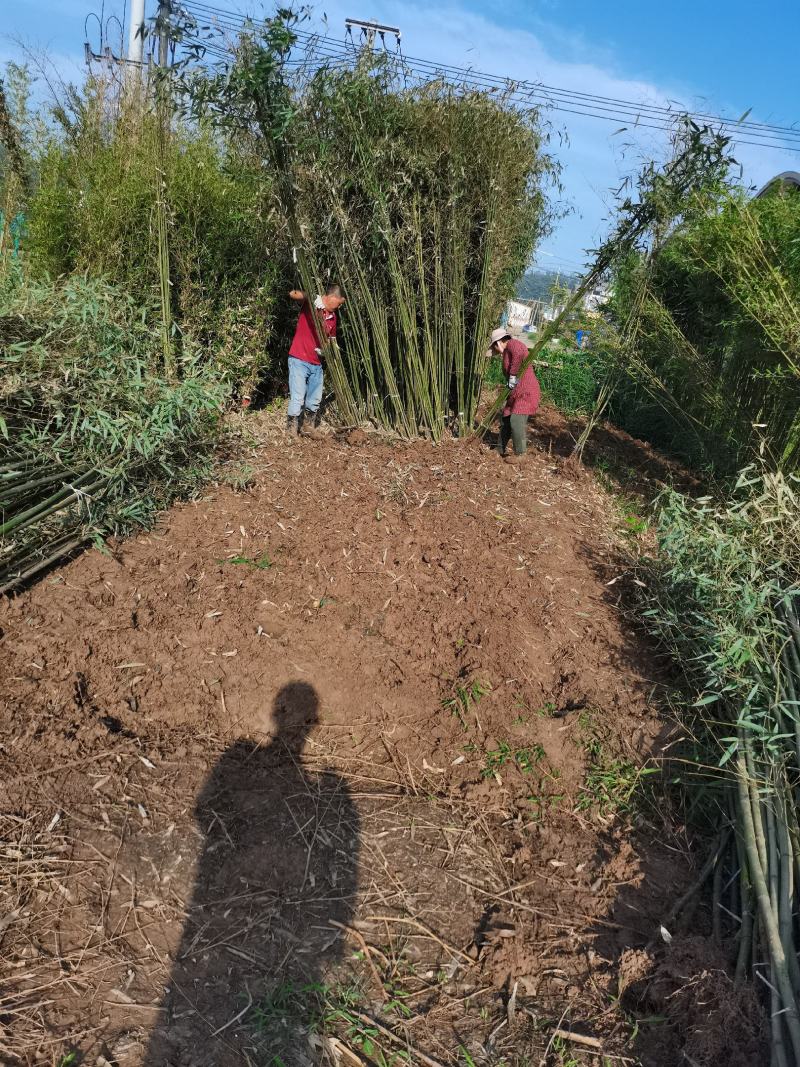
x=278, y=868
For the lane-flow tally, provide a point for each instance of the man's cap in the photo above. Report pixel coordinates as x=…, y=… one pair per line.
x=500, y=334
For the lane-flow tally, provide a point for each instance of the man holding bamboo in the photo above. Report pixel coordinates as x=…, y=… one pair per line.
x=306, y=376
x=523, y=398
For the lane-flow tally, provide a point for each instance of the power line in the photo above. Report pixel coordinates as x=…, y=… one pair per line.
x=588, y=105
x=626, y=120
x=524, y=92
x=620, y=107
x=593, y=98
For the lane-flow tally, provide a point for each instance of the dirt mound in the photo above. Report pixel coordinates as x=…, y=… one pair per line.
x=689, y=983
x=344, y=757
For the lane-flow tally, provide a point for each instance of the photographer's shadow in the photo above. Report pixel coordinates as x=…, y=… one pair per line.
x=279, y=862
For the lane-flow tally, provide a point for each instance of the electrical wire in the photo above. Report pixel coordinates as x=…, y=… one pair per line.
x=565, y=101
x=235, y=20
x=527, y=94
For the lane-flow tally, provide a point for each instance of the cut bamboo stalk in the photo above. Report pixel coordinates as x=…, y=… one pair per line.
x=768, y=917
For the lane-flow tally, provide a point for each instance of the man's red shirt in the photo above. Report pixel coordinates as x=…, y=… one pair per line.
x=306, y=343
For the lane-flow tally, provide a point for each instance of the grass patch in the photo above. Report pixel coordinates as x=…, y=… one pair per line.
x=465, y=699
x=524, y=759
x=609, y=784
x=288, y=1003
x=544, y=804
x=261, y=563
x=289, y=1013
x=239, y=476
x=633, y=525
x=546, y=711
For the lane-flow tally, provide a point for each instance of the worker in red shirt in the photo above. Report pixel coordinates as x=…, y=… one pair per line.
x=523, y=400
x=305, y=364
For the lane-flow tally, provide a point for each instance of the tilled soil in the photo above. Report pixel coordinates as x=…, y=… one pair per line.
x=340, y=765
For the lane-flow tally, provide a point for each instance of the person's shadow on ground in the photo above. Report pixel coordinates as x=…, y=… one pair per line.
x=279, y=862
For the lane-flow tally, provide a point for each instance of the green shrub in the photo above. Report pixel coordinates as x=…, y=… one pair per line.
x=572, y=380
x=94, y=438
x=716, y=367
x=93, y=210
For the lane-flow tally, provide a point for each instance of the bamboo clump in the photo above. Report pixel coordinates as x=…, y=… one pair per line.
x=424, y=231
x=93, y=438
x=718, y=334
x=724, y=598
x=424, y=202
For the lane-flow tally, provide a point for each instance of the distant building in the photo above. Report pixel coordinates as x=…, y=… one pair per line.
x=521, y=313
x=518, y=313
x=595, y=298
x=787, y=179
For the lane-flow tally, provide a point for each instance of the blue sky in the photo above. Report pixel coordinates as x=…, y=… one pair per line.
x=710, y=56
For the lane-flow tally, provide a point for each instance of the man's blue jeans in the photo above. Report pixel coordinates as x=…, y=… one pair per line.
x=305, y=386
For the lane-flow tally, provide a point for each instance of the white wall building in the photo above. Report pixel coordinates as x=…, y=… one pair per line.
x=595, y=298
x=518, y=314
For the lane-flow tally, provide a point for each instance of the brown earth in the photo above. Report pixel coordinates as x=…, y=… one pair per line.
x=353, y=746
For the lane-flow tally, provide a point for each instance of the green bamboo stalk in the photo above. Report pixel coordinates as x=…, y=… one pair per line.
x=20, y=488
x=481, y=326
x=786, y=890
x=9, y=467
x=716, y=900
x=757, y=805
x=751, y=835
x=165, y=281
x=746, y=928
x=779, y=1052
x=22, y=571
x=55, y=502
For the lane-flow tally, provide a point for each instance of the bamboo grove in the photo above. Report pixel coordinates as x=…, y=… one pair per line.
x=704, y=343
x=717, y=367
x=425, y=201
x=723, y=597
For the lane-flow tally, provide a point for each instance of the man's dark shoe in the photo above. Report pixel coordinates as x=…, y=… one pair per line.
x=292, y=425
x=309, y=424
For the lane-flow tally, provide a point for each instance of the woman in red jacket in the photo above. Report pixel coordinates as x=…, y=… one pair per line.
x=523, y=400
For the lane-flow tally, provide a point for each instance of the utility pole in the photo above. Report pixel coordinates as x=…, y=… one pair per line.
x=368, y=31
x=162, y=26
x=136, y=32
